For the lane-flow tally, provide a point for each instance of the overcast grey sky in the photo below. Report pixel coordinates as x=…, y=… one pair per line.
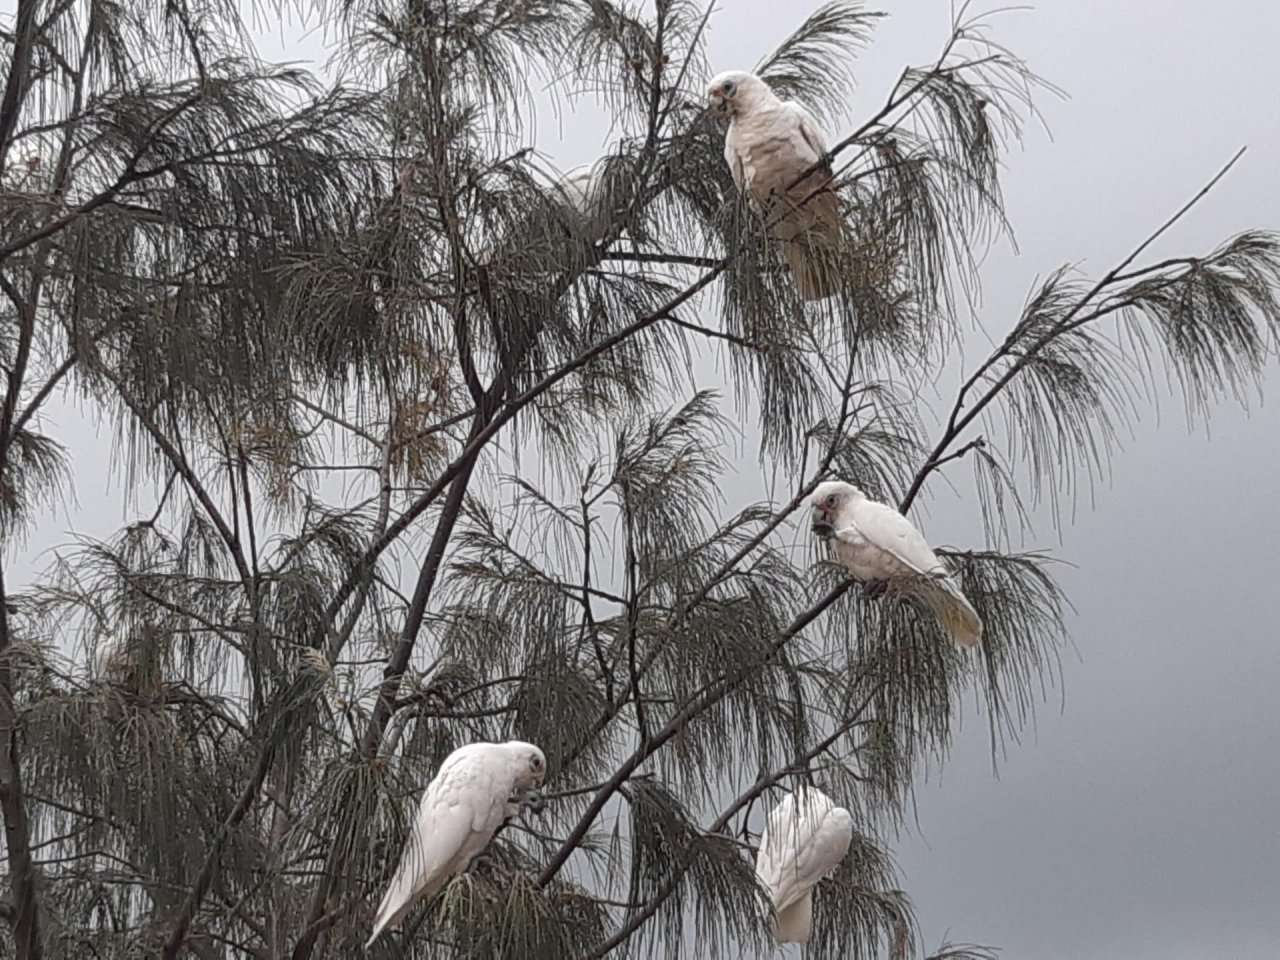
x=1143, y=820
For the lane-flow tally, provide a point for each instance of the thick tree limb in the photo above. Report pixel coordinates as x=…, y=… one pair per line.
x=25, y=916
x=15, y=87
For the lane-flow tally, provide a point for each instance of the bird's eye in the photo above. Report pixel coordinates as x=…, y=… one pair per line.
x=831, y=500
x=535, y=762
x=728, y=88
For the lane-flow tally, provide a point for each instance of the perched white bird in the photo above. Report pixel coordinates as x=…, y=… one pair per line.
x=112, y=660
x=583, y=190
x=770, y=143
x=878, y=545
x=579, y=188
x=477, y=789
x=805, y=837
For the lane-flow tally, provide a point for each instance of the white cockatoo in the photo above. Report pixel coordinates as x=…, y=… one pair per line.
x=112, y=660
x=478, y=788
x=879, y=546
x=585, y=192
x=580, y=189
x=770, y=143
x=805, y=837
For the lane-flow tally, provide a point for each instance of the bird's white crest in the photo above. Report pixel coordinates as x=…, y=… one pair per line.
x=805, y=837
x=461, y=809
x=835, y=488
x=735, y=90
x=877, y=544
x=772, y=143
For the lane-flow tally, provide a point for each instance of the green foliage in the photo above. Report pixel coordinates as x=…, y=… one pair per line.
x=39, y=471
x=422, y=452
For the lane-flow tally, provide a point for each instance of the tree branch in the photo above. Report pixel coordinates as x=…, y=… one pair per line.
x=15, y=87
x=182, y=924
x=691, y=711
x=43, y=394
x=17, y=829
x=478, y=440
x=25, y=919
x=667, y=259
x=957, y=423
x=757, y=346
x=130, y=175
x=450, y=511
x=764, y=782
x=179, y=462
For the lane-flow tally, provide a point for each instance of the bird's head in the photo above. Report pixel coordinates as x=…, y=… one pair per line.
x=531, y=765
x=827, y=500
x=733, y=91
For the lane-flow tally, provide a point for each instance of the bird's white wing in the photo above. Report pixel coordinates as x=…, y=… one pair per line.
x=459, y=813
x=735, y=161
x=768, y=150
x=810, y=133
x=805, y=838
x=886, y=529
x=903, y=550
x=769, y=147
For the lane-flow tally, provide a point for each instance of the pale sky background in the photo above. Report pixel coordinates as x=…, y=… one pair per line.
x=1142, y=820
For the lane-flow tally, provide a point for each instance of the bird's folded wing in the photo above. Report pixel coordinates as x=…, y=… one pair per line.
x=444, y=825
x=888, y=530
x=802, y=843
x=828, y=843
x=735, y=161
x=808, y=128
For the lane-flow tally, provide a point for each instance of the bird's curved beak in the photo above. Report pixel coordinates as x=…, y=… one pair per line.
x=717, y=104
x=822, y=523
x=532, y=799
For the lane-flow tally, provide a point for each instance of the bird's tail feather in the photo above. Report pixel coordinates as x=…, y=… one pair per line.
x=813, y=270
x=794, y=924
x=811, y=232
x=399, y=899
x=955, y=613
